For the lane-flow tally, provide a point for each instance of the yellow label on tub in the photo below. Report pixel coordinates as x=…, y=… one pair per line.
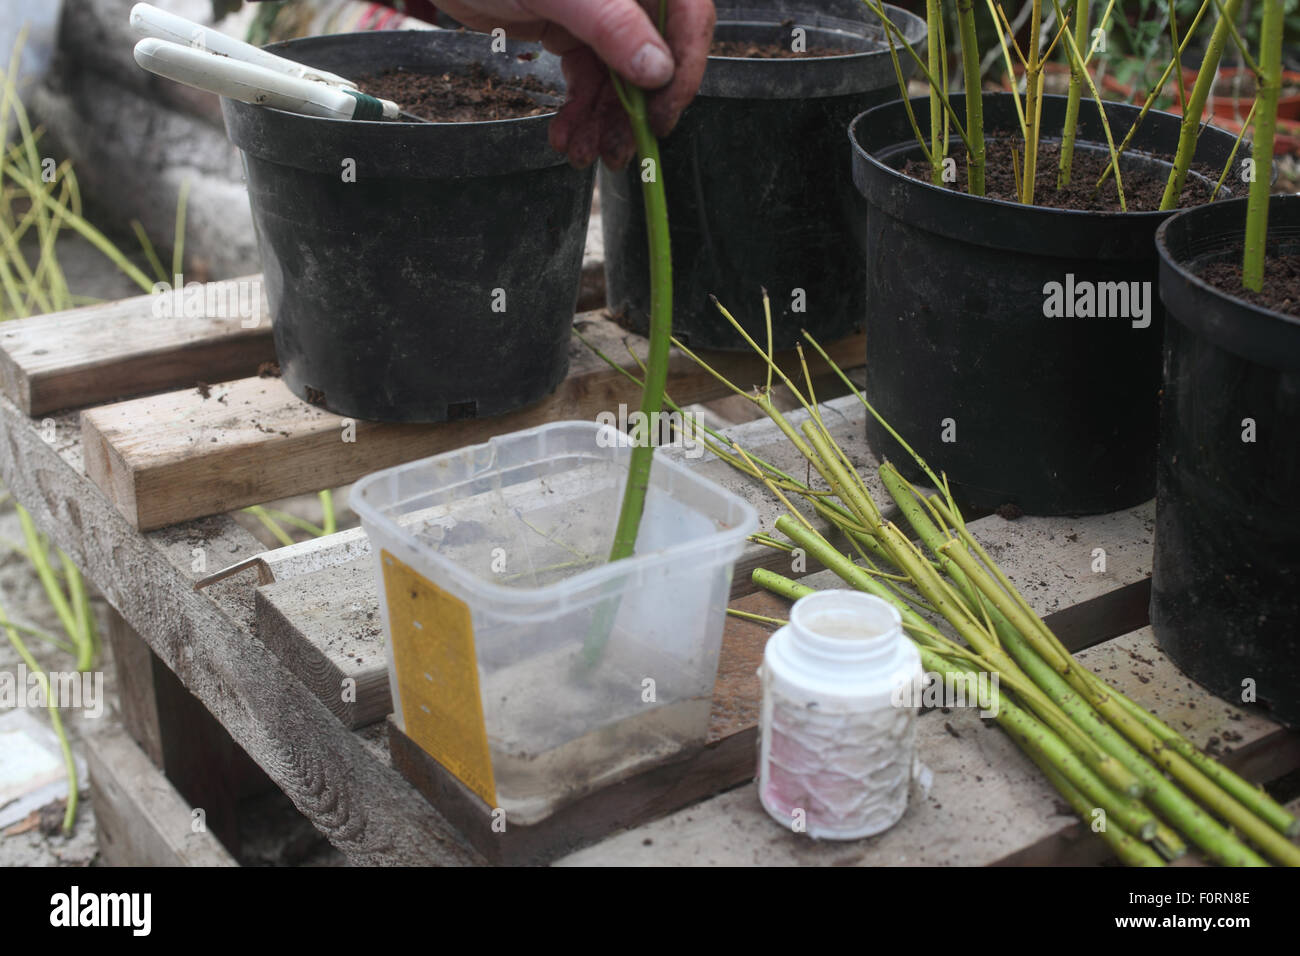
x=437, y=675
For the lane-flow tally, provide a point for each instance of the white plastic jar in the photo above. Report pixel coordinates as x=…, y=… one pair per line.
x=836, y=739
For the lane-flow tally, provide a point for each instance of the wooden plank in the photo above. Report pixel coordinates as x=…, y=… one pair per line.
x=326, y=628
x=341, y=780
x=103, y=352
x=1051, y=561
x=140, y=818
x=986, y=803
x=178, y=734
x=133, y=664
x=177, y=456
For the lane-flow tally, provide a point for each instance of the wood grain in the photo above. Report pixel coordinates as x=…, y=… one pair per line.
x=140, y=818
x=99, y=353
x=177, y=456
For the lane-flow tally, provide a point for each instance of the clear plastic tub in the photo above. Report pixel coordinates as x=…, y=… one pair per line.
x=523, y=661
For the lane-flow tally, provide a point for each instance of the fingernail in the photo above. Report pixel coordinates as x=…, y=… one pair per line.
x=651, y=67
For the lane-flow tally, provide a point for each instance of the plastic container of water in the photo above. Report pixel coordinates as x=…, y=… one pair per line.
x=523, y=661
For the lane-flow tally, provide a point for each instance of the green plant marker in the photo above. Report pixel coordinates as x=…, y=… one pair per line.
x=1270, y=83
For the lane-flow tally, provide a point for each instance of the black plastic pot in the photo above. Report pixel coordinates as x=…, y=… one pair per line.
x=1225, y=601
x=759, y=189
x=1054, y=415
x=440, y=284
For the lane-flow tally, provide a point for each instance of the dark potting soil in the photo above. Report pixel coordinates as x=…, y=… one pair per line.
x=1281, y=292
x=1143, y=189
x=465, y=97
x=749, y=50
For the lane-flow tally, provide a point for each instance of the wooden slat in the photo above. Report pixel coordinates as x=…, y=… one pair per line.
x=140, y=818
x=987, y=802
x=121, y=349
x=326, y=628
x=104, y=352
x=177, y=733
x=177, y=456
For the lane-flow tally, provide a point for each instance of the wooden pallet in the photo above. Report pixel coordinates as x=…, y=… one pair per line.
x=267, y=659
x=182, y=454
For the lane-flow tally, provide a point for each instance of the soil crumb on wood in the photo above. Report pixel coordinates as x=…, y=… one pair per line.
x=463, y=97
x=749, y=50
x=1009, y=511
x=268, y=370
x=1281, y=292
x=1143, y=188
x=315, y=396
x=203, y=388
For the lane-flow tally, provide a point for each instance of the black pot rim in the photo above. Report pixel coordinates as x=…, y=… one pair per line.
x=1014, y=218
x=733, y=77
x=1152, y=214
x=1240, y=338
x=400, y=147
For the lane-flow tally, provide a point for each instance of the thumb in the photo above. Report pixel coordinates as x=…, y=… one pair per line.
x=620, y=32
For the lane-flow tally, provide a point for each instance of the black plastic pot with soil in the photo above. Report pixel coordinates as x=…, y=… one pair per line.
x=1017, y=347
x=760, y=192
x=419, y=272
x=1225, y=601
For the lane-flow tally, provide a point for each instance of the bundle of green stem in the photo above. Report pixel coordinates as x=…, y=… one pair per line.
x=1098, y=748
x=1080, y=40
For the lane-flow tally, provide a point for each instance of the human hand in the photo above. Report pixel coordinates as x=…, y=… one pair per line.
x=592, y=36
